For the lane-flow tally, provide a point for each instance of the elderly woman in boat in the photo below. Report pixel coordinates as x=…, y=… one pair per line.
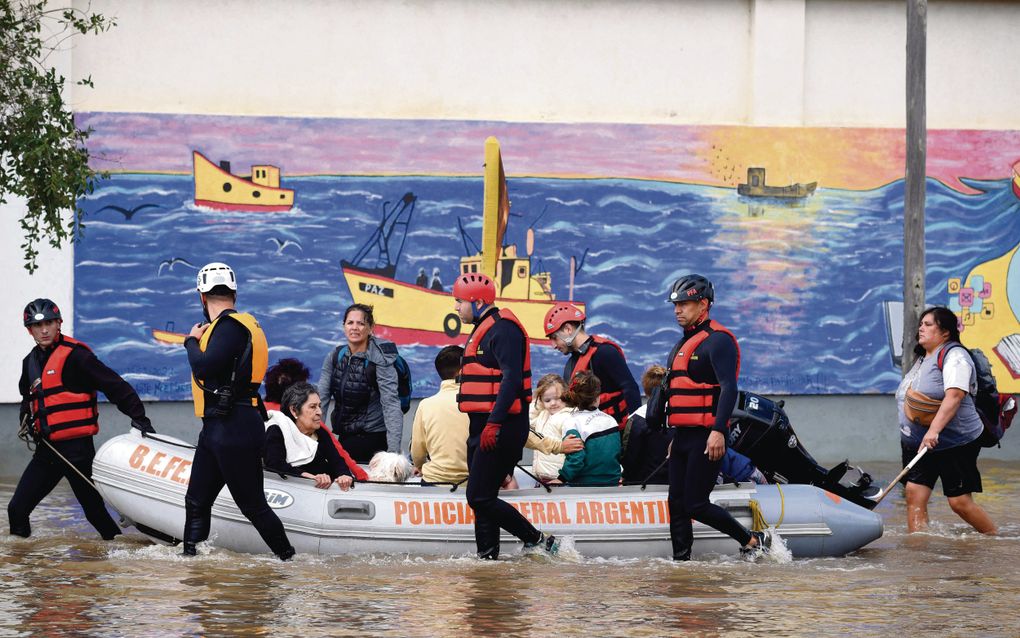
x=937, y=412
x=297, y=444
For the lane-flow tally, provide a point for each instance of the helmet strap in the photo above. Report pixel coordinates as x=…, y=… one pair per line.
x=478, y=309
x=573, y=337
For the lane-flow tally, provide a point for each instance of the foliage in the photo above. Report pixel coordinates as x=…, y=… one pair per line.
x=43, y=157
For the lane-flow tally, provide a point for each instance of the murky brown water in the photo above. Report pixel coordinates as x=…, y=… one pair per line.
x=64, y=581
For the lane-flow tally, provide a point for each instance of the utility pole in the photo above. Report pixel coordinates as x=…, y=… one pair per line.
x=913, y=203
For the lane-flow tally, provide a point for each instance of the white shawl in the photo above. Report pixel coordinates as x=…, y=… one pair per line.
x=301, y=448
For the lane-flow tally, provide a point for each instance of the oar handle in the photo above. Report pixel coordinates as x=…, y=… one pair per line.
x=902, y=473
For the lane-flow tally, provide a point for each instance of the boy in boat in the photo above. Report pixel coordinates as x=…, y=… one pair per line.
x=59, y=381
x=495, y=391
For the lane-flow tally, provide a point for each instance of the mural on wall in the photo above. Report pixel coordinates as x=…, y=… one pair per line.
x=800, y=230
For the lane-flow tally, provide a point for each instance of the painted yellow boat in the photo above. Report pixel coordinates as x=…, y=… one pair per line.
x=217, y=188
x=409, y=313
x=165, y=336
x=1016, y=179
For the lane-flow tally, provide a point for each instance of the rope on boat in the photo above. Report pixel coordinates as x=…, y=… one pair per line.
x=758, y=522
x=146, y=435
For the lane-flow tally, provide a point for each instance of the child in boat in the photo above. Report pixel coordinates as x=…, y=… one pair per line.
x=546, y=436
x=599, y=462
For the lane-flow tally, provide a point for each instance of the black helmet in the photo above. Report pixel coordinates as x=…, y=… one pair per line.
x=691, y=288
x=41, y=310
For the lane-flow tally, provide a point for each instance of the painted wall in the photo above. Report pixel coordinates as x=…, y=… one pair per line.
x=758, y=63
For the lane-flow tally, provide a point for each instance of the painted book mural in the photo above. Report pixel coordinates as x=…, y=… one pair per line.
x=800, y=230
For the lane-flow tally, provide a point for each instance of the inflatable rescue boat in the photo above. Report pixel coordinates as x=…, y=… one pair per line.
x=145, y=477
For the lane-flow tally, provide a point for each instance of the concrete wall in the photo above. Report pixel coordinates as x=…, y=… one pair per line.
x=759, y=62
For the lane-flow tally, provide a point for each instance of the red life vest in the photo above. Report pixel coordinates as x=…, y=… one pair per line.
x=59, y=413
x=691, y=403
x=612, y=403
x=479, y=384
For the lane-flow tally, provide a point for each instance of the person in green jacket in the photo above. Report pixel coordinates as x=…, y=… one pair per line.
x=598, y=463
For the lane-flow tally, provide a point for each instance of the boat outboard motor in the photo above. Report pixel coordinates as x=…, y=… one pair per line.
x=761, y=431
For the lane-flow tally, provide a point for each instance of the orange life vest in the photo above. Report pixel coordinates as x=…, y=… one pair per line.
x=479, y=384
x=59, y=413
x=612, y=403
x=690, y=403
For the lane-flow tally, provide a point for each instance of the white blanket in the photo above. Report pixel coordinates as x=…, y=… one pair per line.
x=301, y=448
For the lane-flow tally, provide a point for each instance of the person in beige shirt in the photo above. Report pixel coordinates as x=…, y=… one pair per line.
x=440, y=431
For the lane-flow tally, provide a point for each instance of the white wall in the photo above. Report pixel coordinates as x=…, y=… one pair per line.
x=758, y=62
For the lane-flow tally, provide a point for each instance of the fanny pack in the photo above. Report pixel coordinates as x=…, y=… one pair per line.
x=920, y=408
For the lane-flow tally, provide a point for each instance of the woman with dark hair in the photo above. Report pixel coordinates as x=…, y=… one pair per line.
x=361, y=378
x=282, y=375
x=598, y=462
x=943, y=380
x=297, y=444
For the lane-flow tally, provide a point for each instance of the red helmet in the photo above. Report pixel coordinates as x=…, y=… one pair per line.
x=474, y=286
x=560, y=314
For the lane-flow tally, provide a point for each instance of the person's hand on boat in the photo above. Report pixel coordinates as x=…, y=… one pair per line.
x=198, y=330
x=322, y=481
x=716, y=446
x=489, y=437
x=344, y=482
x=571, y=444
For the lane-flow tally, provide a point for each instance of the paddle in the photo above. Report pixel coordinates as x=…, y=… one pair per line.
x=896, y=480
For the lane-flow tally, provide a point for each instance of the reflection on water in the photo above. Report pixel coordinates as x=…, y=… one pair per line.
x=65, y=581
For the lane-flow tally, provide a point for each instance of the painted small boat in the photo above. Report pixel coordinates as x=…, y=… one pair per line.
x=1016, y=179
x=145, y=479
x=166, y=336
x=756, y=187
x=217, y=188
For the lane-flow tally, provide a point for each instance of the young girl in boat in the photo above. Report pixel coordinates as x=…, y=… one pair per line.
x=546, y=436
x=599, y=462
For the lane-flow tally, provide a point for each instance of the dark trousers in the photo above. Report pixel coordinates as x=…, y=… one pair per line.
x=362, y=446
x=691, y=479
x=229, y=453
x=486, y=471
x=43, y=473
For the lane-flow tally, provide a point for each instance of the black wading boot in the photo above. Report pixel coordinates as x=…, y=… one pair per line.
x=682, y=537
x=196, y=527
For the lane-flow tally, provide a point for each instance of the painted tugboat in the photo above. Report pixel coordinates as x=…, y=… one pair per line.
x=411, y=313
x=756, y=187
x=217, y=188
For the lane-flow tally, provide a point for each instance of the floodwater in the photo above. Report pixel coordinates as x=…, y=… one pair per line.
x=947, y=582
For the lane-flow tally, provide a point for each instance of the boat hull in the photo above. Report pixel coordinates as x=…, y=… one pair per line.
x=406, y=313
x=145, y=480
x=794, y=191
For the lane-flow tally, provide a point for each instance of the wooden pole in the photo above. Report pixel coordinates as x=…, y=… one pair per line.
x=913, y=204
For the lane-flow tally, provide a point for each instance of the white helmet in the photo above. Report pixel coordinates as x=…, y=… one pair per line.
x=216, y=274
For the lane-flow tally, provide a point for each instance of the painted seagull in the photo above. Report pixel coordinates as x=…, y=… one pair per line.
x=280, y=245
x=170, y=263
x=128, y=214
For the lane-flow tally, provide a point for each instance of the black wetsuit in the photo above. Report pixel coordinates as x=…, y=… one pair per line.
x=692, y=475
x=229, y=450
x=502, y=347
x=326, y=461
x=83, y=372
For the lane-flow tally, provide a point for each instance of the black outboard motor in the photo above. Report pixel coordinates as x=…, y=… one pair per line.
x=761, y=431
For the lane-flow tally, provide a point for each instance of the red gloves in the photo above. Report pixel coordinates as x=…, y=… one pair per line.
x=489, y=436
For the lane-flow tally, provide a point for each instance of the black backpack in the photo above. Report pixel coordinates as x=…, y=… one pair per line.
x=403, y=375
x=996, y=410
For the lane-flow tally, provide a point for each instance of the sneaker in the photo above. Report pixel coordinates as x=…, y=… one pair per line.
x=546, y=542
x=762, y=548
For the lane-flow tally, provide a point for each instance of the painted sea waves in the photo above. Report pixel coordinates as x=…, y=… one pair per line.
x=801, y=284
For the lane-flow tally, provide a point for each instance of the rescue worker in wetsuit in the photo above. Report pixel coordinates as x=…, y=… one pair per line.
x=702, y=391
x=495, y=390
x=564, y=326
x=228, y=359
x=59, y=381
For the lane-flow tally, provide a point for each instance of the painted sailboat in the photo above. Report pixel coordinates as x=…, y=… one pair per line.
x=409, y=313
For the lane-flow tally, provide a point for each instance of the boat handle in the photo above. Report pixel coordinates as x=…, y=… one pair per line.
x=356, y=510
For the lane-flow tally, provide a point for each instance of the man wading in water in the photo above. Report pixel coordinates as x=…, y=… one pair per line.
x=702, y=390
x=495, y=391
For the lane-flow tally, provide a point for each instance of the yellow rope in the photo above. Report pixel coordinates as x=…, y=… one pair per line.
x=758, y=522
